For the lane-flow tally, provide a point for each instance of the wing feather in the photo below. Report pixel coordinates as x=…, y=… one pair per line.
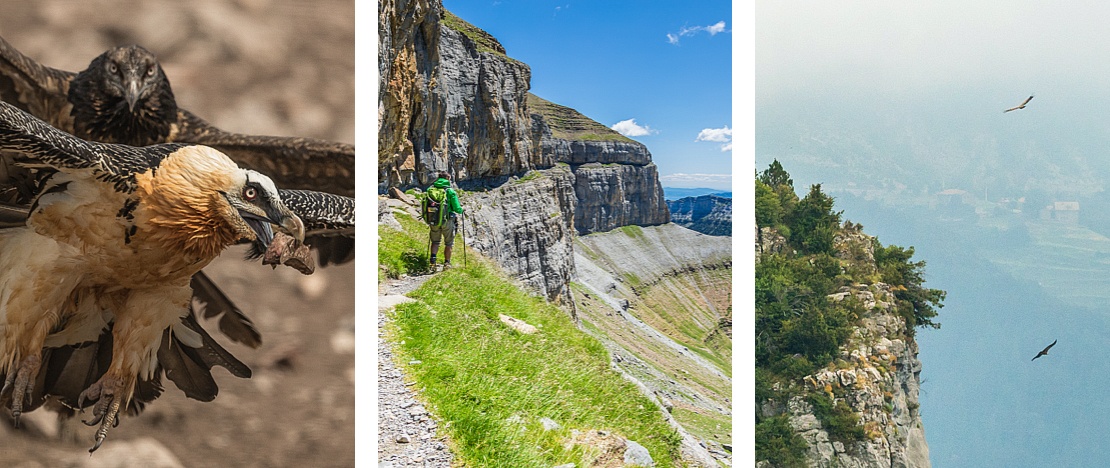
x=233, y=322
x=33, y=87
x=292, y=162
x=329, y=222
x=117, y=164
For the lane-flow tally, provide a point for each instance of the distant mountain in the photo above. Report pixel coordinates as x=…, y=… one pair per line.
x=707, y=214
x=673, y=193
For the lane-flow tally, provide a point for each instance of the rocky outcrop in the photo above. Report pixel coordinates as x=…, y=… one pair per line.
x=658, y=300
x=877, y=374
x=880, y=382
x=525, y=225
x=615, y=181
x=452, y=100
x=707, y=214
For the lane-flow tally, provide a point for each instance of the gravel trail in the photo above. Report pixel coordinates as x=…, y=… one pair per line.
x=406, y=431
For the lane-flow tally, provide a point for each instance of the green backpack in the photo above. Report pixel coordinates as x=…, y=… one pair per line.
x=434, y=206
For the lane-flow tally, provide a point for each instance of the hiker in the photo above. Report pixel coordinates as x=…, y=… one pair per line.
x=439, y=209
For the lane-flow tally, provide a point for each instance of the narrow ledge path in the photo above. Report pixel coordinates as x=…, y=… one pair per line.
x=406, y=431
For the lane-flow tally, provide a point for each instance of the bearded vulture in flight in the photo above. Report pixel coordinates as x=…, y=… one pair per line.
x=1044, y=352
x=125, y=97
x=1019, y=106
x=113, y=240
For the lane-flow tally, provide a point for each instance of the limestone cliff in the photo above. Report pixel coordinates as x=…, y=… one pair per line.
x=452, y=100
x=707, y=214
x=877, y=374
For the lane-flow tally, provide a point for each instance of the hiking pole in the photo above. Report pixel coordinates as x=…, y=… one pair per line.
x=462, y=226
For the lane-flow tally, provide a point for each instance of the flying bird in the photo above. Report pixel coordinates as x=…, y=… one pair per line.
x=1044, y=352
x=1019, y=106
x=124, y=96
x=114, y=239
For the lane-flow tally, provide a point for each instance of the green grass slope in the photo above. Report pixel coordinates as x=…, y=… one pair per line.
x=490, y=385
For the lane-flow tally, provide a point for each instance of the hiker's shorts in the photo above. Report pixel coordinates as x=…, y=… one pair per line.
x=446, y=232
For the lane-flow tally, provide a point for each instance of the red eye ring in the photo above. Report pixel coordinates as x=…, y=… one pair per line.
x=250, y=193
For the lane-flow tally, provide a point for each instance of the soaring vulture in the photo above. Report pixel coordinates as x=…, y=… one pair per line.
x=112, y=242
x=1044, y=352
x=1019, y=106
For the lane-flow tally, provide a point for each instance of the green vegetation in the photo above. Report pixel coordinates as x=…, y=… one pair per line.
x=837, y=419
x=490, y=385
x=483, y=40
x=711, y=426
x=405, y=252
x=799, y=330
x=776, y=441
x=569, y=124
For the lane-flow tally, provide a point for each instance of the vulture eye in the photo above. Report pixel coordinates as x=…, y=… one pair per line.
x=112, y=68
x=250, y=193
x=150, y=71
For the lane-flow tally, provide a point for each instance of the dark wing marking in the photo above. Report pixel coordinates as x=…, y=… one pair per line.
x=1030, y=98
x=69, y=370
x=117, y=164
x=190, y=369
x=329, y=222
x=298, y=163
x=1044, y=352
x=233, y=322
x=33, y=87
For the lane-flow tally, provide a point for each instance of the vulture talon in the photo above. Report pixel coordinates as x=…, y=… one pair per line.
x=21, y=384
x=110, y=420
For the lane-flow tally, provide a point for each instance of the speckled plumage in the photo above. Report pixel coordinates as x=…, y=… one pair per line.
x=85, y=105
x=115, y=238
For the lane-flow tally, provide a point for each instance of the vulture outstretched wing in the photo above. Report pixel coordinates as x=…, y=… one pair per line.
x=1019, y=106
x=1044, y=352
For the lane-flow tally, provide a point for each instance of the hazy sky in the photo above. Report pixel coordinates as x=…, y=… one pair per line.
x=659, y=72
x=1025, y=46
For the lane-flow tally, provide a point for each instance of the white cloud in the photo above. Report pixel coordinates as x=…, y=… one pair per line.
x=629, y=128
x=718, y=135
x=712, y=29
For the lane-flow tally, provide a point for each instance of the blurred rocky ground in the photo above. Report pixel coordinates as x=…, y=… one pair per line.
x=274, y=67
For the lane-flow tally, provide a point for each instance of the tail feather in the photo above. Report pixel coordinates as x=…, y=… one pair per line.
x=233, y=322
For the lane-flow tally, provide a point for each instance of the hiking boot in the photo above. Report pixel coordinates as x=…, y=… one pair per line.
x=447, y=266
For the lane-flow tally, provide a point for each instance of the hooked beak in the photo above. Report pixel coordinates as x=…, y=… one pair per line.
x=285, y=220
x=131, y=94
x=293, y=226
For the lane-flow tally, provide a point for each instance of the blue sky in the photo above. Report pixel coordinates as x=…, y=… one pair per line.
x=662, y=68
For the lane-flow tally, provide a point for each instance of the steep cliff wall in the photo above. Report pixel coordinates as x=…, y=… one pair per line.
x=452, y=100
x=707, y=214
x=531, y=241
x=615, y=181
x=876, y=373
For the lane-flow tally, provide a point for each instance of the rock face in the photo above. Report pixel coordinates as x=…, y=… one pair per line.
x=452, y=100
x=526, y=227
x=877, y=375
x=707, y=214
